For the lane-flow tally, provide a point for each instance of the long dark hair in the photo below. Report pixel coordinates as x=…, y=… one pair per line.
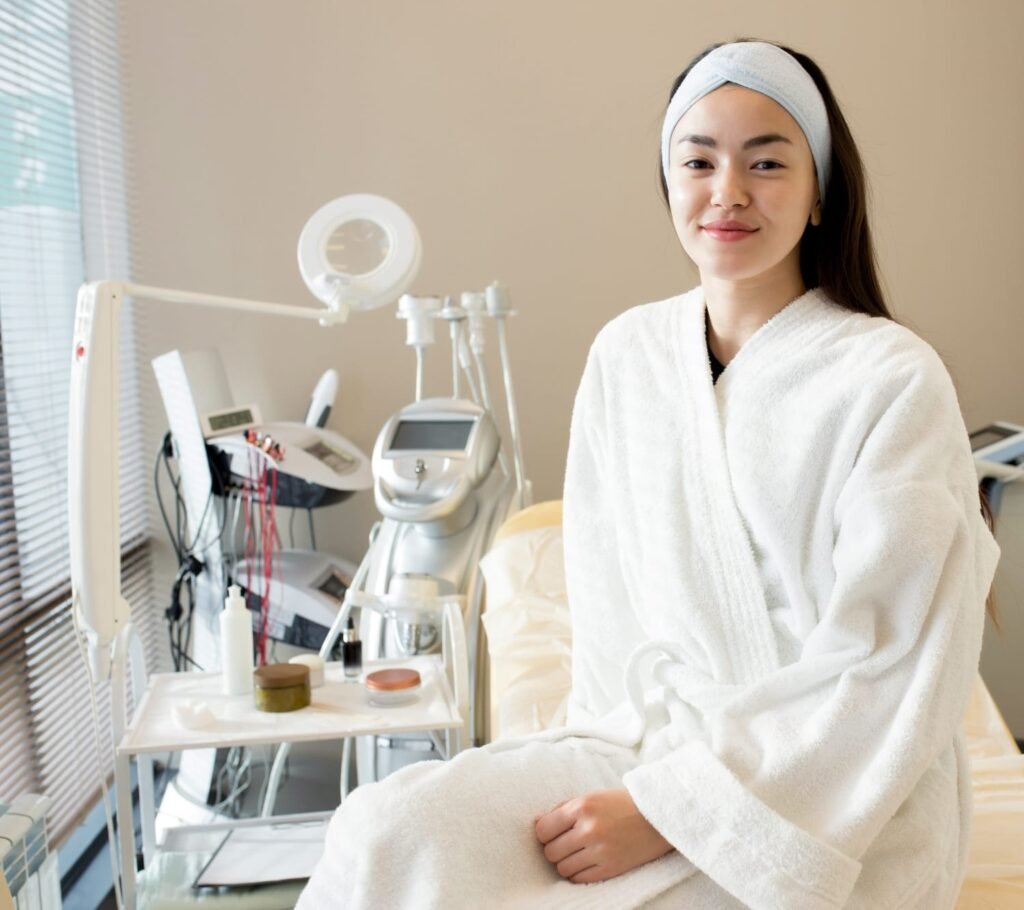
x=838, y=255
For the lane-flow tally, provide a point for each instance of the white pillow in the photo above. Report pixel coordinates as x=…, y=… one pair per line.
x=528, y=632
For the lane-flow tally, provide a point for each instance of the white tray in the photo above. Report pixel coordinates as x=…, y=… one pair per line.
x=339, y=709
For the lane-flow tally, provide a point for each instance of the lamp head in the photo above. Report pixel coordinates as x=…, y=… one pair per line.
x=358, y=252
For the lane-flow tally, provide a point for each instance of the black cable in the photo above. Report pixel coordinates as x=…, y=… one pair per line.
x=179, y=620
x=312, y=532
x=178, y=501
x=190, y=614
x=159, y=496
x=190, y=549
x=182, y=547
x=170, y=645
x=177, y=656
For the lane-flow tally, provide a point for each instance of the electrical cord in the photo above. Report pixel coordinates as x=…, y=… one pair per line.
x=160, y=456
x=189, y=564
x=235, y=776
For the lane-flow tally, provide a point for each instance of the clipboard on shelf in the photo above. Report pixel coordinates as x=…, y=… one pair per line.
x=265, y=854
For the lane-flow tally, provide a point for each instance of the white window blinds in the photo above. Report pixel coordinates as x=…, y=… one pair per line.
x=62, y=221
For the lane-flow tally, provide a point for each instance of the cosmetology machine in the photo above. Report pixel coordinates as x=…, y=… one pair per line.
x=223, y=451
x=443, y=481
x=999, y=458
x=442, y=485
x=441, y=470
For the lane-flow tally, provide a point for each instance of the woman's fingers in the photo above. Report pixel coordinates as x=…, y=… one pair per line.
x=553, y=823
x=577, y=863
x=589, y=875
x=566, y=844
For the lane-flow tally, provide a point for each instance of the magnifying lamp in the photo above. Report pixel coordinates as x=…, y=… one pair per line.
x=358, y=253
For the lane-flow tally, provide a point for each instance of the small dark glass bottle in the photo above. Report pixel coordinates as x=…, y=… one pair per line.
x=351, y=651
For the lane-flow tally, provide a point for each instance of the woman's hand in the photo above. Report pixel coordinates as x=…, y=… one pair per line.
x=598, y=835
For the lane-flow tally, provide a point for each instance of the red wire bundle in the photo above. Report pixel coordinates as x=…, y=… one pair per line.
x=261, y=516
x=268, y=546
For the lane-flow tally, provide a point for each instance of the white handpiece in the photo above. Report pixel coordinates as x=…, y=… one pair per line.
x=323, y=399
x=418, y=313
x=454, y=315
x=500, y=307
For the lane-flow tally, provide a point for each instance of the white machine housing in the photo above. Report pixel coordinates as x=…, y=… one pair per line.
x=430, y=456
x=998, y=456
x=306, y=591
x=999, y=459
x=315, y=455
x=442, y=496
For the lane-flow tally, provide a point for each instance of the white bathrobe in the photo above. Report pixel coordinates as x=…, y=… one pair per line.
x=791, y=566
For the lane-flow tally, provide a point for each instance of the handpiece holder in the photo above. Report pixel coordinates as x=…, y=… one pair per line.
x=418, y=313
x=406, y=608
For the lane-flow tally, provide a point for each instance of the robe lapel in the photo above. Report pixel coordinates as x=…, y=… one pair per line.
x=737, y=587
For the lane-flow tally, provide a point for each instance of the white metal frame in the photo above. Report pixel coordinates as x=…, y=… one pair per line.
x=149, y=733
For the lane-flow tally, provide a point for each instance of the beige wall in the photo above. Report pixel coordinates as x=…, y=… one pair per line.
x=522, y=138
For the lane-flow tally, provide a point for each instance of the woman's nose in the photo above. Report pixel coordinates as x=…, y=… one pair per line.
x=729, y=187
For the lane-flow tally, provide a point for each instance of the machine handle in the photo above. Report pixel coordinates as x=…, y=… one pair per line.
x=391, y=507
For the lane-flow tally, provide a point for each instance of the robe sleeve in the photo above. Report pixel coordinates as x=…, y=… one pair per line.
x=800, y=772
x=596, y=602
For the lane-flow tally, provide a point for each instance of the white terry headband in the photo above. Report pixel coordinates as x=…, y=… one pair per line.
x=769, y=70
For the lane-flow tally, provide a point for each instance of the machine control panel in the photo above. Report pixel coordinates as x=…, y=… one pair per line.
x=430, y=448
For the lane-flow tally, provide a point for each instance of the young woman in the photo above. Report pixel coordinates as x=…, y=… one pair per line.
x=771, y=510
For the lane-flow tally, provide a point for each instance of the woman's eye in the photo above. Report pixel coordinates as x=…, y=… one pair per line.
x=772, y=165
x=696, y=161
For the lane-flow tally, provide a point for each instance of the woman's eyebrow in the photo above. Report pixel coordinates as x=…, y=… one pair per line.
x=756, y=141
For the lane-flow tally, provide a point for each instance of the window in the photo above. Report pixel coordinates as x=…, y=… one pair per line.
x=62, y=222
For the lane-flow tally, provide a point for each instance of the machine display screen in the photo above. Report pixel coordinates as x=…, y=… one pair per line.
x=988, y=436
x=231, y=419
x=333, y=586
x=432, y=434
x=336, y=459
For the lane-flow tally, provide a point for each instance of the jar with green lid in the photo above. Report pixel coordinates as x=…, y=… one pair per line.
x=281, y=687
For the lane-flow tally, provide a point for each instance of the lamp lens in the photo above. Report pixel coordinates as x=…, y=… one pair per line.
x=357, y=247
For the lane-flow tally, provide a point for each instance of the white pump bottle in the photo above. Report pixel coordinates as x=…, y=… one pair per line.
x=236, y=663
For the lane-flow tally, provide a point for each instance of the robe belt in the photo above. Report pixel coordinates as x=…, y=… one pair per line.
x=686, y=694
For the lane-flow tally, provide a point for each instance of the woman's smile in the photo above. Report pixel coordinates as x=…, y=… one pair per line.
x=728, y=234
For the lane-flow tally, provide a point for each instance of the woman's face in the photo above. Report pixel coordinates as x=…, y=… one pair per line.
x=727, y=163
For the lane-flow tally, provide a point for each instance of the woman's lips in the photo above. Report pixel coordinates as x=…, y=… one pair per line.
x=727, y=236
